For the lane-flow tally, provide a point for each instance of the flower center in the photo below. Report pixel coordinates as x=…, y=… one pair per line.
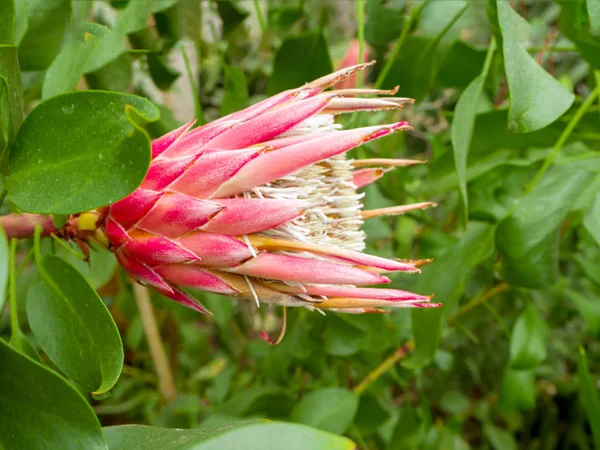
x=333, y=218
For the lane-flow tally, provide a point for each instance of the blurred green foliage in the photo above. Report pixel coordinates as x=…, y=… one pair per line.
x=507, y=116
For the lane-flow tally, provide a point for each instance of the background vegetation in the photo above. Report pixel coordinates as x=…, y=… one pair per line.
x=507, y=113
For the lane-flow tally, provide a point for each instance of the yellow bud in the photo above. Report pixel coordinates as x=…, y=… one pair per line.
x=87, y=221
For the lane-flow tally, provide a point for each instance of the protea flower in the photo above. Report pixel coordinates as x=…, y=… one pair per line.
x=263, y=205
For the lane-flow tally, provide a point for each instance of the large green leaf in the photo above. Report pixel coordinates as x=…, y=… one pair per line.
x=73, y=326
x=463, y=124
x=68, y=67
x=528, y=237
x=330, y=409
x=536, y=98
x=47, y=24
x=446, y=277
x=247, y=436
x=39, y=410
x=290, y=70
x=78, y=151
x=528, y=340
x=588, y=391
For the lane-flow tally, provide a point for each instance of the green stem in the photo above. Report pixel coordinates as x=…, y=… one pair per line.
x=261, y=18
x=551, y=49
x=15, y=336
x=360, y=17
x=563, y=138
x=188, y=69
x=166, y=381
x=478, y=301
x=414, y=15
x=67, y=247
x=376, y=373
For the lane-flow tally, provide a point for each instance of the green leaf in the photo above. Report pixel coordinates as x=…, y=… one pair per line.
x=7, y=19
x=528, y=237
x=589, y=309
x=5, y=119
x=499, y=438
x=461, y=65
x=426, y=66
x=593, y=9
x=111, y=44
x=249, y=436
x=21, y=21
x=415, y=66
x=79, y=151
x=4, y=267
x=66, y=70
x=342, y=338
x=588, y=391
x=528, y=340
x=570, y=24
x=384, y=23
x=272, y=399
x=518, y=390
x=290, y=71
x=162, y=75
x=371, y=414
x=463, y=124
x=406, y=433
x=116, y=75
x=74, y=327
x=536, y=98
x=591, y=220
x=11, y=75
x=447, y=277
x=40, y=410
x=236, y=90
x=330, y=409
x=47, y=24
x=231, y=14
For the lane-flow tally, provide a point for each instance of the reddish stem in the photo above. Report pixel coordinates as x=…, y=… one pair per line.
x=22, y=226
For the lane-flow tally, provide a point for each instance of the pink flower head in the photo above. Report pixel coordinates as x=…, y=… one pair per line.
x=263, y=205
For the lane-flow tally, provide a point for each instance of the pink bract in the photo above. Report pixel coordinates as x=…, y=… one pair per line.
x=263, y=205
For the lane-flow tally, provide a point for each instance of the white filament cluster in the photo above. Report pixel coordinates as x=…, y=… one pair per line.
x=333, y=219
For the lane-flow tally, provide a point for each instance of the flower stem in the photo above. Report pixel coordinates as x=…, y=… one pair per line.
x=166, y=382
x=360, y=17
x=414, y=15
x=260, y=17
x=563, y=138
x=479, y=301
x=22, y=226
x=15, y=329
x=376, y=373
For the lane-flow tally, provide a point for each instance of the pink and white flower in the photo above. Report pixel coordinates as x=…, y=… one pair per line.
x=263, y=205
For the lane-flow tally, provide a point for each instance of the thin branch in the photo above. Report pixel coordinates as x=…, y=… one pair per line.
x=22, y=226
x=478, y=301
x=376, y=373
x=166, y=382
